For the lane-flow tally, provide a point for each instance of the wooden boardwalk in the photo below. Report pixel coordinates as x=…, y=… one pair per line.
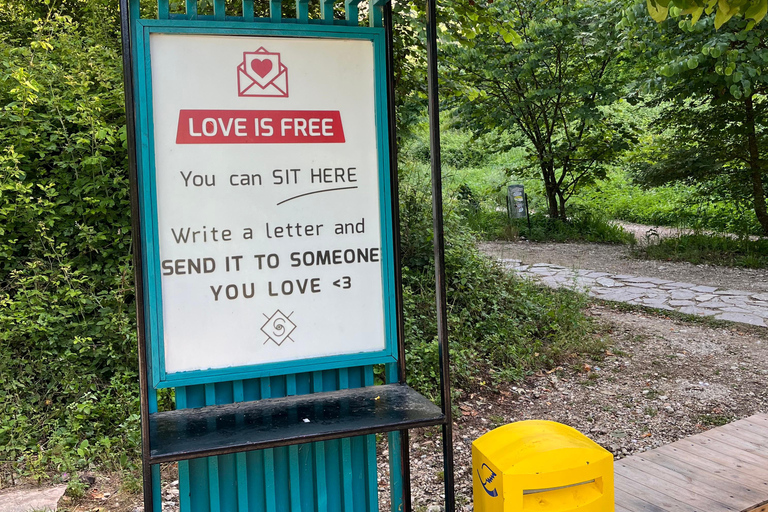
x=723, y=469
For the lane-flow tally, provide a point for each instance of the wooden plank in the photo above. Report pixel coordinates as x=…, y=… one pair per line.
x=647, y=494
x=687, y=499
x=715, y=452
x=743, y=453
x=723, y=469
x=757, y=432
x=713, y=476
x=752, y=427
x=698, y=482
x=730, y=438
x=725, y=451
x=740, y=431
x=715, y=462
x=759, y=419
x=633, y=503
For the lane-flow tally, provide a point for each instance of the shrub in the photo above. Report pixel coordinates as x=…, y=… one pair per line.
x=710, y=249
x=67, y=327
x=501, y=327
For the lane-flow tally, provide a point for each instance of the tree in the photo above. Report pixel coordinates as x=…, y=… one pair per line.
x=67, y=328
x=552, y=80
x=715, y=84
x=752, y=10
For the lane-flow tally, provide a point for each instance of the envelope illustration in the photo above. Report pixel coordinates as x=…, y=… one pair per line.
x=262, y=74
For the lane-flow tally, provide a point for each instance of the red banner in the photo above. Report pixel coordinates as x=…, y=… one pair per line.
x=259, y=127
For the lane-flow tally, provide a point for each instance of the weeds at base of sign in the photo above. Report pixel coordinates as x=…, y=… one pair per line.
x=501, y=328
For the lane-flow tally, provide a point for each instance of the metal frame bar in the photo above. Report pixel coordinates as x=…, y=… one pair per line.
x=405, y=460
x=439, y=246
x=130, y=120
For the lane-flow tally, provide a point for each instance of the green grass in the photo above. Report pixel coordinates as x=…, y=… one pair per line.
x=708, y=249
x=679, y=206
x=582, y=227
x=714, y=420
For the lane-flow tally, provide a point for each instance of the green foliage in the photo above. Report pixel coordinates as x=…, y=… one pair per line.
x=711, y=90
x=752, y=10
x=715, y=420
x=709, y=249
x=552, y=85
x=703, y=207
x=583, y=226
x=67, y=330
x=501, y=328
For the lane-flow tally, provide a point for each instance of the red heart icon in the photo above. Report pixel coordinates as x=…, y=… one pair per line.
x=261, y=67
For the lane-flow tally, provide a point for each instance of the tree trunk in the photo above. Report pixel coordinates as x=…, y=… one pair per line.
x=560, y=195
x=550, y=187
x=758, y=191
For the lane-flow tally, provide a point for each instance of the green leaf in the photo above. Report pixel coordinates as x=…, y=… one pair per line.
x=721, y=16
x=657, y=11
x=757, y=11
x=696, y=14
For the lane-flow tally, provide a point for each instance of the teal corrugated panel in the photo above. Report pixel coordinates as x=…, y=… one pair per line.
x=248, y=10
x=256, y=481
x=329, y=476
x=163, y=9
x=326, y=11
x=155, y=470
x=320, y=494
x=227, y=483
x=241, y=465
x=219, y=9
x=352, y=11
x=333, y=475
x=375, y=13
x=213, y=462
x=275, y=11
x=302, y=11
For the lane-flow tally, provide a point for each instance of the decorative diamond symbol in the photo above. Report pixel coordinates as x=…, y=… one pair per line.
x=278, y=327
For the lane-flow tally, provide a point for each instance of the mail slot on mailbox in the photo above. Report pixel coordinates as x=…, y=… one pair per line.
x=541, y=466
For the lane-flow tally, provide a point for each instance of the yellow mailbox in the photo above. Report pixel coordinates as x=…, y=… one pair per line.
x=541, y=466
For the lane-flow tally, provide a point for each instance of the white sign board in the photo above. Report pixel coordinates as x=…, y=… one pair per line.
x=268, y=199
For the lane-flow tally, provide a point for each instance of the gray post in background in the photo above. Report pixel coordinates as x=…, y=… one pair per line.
x=516, y=204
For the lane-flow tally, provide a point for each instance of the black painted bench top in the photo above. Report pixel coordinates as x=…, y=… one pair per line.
x=230, y=428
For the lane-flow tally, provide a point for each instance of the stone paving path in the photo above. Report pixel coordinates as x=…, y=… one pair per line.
x=31, y=500
x=734, y=305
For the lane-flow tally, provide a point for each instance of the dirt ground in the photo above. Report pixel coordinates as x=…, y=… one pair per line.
x=660, y=380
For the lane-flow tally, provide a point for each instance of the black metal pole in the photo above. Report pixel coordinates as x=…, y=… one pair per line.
x=527, y=213
x=130, y=121
x=405, y=459
x=439, y=245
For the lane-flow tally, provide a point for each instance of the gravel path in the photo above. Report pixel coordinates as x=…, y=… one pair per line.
x=616, y=259
x=732, y=305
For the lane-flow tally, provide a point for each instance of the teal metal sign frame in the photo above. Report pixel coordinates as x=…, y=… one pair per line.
x=153, y=303
x=280, y=437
